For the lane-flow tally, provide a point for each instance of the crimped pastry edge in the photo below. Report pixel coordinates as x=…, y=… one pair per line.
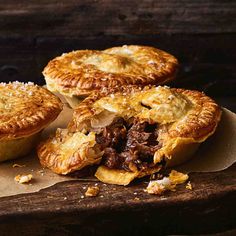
x=69, y=84
x=37, y=122
x=202, y=121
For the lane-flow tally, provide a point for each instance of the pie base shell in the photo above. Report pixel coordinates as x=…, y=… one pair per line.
x=121, y=177
x=15, y=148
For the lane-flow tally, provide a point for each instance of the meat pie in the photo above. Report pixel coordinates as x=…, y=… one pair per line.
x=25, y=110
x=132, y=133
x=79, y=73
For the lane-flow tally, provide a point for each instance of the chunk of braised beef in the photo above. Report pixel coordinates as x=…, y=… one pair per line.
x=129, y=156
x=103, y=140
x=118, y=135
x=128, y=145
x=112, y=135
x=146, y=150
x=138, y=126
x=134, y=137
x=111, y=159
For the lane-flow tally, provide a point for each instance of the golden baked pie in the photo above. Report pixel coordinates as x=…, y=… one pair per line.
x=133, y=133
x=79, y=73
x=25, y=109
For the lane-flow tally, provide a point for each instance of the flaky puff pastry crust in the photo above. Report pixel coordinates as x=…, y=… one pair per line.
x=185, y=119
x=79, y=73
x=25, y=109
x=67, y=152
x=180, y=113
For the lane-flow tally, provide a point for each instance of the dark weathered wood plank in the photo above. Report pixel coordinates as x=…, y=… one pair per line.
x=106, y=17
x=209, y=207
x=200, y=33
x=29, y=56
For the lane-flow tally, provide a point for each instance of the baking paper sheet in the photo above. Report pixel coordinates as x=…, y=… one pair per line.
x=217, y=153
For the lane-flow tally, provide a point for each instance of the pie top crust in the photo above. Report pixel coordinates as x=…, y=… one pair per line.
x=25, y=109
x=182, y=113
x=66, y=152
x=84, y=71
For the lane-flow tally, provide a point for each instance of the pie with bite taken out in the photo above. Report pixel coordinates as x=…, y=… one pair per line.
x=132, y=133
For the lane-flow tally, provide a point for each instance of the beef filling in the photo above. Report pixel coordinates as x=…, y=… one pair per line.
x=128, y=145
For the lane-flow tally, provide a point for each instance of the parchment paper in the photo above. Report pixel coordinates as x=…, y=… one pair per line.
x=217, y=153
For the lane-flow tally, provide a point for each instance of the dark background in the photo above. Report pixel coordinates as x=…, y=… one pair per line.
x=200, y=33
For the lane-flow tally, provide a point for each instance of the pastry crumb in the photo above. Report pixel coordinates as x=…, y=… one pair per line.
x=166, y=183
x=92, y=191
x=22, y=179
x=189, y=186
x=17, y=165
x=158, y=186
x=177, y=177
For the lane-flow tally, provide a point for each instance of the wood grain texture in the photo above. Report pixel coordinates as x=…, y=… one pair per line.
x=105, y=17
x=196, y=32
x=209, y=207
x=24, y=59
x=200, y=33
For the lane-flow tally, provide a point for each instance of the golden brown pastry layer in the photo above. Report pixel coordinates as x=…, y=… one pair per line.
x=25, y=109
x=186, y=113
x=67, y=152
x=79, y=73
x=137, y=131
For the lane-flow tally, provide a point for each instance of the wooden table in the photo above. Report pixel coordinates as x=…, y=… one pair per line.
x=201, y=34
x=61, y=210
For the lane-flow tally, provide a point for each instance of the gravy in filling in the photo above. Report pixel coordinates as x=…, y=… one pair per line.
x=128, y=145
